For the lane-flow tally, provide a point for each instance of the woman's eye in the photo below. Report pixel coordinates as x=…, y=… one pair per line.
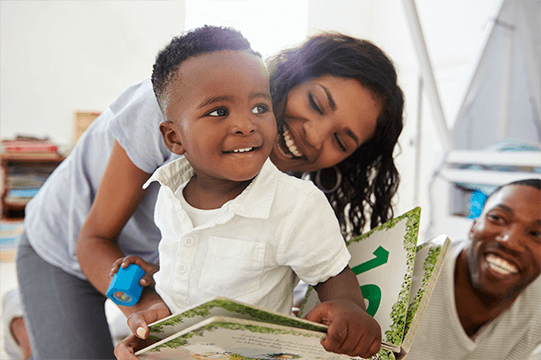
x=260, y=109
x=313, y=104
x=218, y=113
x=340, y=143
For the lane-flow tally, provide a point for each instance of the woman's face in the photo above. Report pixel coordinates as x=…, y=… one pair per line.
x=325, y=120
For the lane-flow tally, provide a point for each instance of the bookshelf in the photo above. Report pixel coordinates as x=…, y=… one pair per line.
x=21, y=177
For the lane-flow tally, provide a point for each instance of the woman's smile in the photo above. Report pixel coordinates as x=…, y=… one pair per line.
x=287, y=144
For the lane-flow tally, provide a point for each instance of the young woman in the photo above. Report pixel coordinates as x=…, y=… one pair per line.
x=339, y=112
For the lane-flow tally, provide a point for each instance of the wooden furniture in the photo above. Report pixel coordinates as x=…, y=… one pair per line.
x=83, y=119
x=23, y=170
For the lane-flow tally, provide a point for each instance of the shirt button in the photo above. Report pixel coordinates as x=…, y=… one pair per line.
x=182, y=268
x=189, y=241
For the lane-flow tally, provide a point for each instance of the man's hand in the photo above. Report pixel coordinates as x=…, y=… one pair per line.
x=350, y=330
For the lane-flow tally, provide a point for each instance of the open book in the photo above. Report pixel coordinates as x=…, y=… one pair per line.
x=398, y=278
x=227, y=329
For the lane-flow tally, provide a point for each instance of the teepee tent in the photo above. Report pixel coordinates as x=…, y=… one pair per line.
x=496, y=137
x=504, y=98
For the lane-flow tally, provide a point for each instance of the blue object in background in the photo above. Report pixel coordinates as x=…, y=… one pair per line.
x=477, y=201
x=125, y=289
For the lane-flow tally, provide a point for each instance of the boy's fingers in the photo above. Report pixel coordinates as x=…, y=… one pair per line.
x=138, y=322
x=131, y=259
x=336, y=339
x=125, y=350
x=147, y=280
x=138, y=325
x=319, y=314
x=116, y=266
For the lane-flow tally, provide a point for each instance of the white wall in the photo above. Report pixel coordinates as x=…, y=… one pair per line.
x=58, y=57
x=61, y=56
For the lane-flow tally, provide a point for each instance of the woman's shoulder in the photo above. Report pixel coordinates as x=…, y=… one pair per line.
x=137, y=97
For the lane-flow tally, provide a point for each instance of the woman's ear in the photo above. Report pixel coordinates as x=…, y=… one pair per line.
x=171, y=137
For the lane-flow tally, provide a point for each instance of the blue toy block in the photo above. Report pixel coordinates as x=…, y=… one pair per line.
x=125, y=289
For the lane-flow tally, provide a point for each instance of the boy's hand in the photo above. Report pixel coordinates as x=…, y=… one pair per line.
x=138, y=321
x=350, y=330
x=149, y=268
x=126, y=349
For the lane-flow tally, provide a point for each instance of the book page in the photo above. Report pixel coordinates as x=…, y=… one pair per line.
x=429, y=260
x=238, y=339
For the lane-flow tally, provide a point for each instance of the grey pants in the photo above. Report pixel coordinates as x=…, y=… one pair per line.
x=64, y=315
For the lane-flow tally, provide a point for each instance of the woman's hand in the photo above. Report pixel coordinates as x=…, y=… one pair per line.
x=149, y=268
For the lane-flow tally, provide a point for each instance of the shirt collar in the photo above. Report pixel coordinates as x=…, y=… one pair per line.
x=254, y=202
x=172, y=175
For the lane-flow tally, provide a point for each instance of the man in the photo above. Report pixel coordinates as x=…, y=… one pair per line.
x=487, y=302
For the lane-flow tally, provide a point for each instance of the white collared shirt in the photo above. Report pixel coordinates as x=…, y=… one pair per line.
x=251, y=250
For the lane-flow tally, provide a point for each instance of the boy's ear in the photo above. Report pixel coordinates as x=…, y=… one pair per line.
x=171, y=138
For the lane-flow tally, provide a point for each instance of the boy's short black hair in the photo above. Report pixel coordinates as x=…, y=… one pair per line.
x=192, y=43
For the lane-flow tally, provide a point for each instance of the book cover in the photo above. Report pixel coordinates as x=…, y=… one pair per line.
x=383, y=260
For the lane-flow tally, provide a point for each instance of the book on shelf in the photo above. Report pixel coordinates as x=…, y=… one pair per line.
x=398, y=278
x=28, y=146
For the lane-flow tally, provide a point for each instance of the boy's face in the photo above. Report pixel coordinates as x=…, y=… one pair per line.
x=221, y=113
x=504, y=256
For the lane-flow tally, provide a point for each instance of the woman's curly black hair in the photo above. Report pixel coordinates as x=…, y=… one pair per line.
x=369, y=176
x=192, y=43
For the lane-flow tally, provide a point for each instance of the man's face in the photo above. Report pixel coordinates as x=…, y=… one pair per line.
x=504, y=256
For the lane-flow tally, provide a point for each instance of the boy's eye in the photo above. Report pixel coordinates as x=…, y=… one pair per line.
x=260, y=109
x=218, y=112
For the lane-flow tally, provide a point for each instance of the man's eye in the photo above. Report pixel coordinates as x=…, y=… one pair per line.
x=260, y=109
x=496, y=218
x=218, y=112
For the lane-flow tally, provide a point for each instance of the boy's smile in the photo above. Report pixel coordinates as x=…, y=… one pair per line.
x=221, y=116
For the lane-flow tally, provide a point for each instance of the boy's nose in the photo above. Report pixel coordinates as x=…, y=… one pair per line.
x=243, y=126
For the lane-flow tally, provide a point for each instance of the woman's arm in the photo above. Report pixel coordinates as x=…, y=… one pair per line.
x=119, y=193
